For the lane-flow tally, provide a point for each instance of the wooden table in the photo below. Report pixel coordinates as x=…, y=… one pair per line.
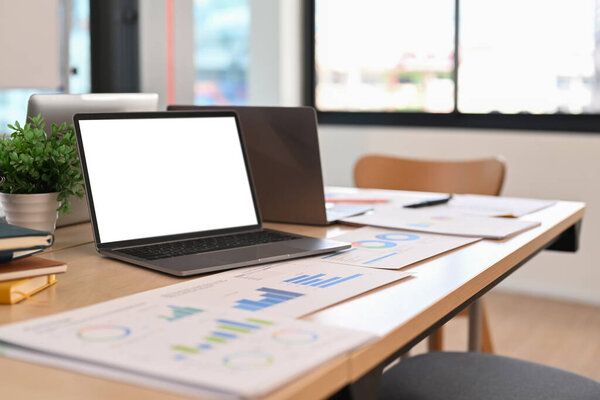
x=401, y=313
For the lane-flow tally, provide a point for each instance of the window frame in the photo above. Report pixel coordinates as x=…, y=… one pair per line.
x=589, y=123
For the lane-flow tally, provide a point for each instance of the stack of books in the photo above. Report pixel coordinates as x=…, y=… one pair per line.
x=21, y=273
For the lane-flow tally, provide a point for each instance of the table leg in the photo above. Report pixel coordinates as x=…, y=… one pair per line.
x=475, y=326
x=366, y=388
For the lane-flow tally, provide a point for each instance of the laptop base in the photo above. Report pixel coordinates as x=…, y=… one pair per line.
x=234, y=258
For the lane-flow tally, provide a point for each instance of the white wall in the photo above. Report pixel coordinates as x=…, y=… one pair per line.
x=562, y=166
x=34, y=58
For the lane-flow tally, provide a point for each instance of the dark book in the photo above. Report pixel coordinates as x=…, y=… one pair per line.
x=9, y=255
x=16, y=238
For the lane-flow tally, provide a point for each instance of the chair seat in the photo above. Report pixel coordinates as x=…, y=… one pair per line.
x=458, y=376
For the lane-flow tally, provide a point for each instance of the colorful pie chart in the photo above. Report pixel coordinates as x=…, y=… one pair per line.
x=373, y=244
x=397, y=236
x=103, y=333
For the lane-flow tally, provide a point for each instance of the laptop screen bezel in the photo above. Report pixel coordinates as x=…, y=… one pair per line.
x=166, y=238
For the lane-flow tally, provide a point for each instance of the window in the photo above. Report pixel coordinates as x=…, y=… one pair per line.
x=221, y=30
x=533, y=56
x=480, y=63
x=13, y=102
x=356, y=70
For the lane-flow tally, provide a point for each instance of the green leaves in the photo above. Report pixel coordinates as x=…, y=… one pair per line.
x=34, y=163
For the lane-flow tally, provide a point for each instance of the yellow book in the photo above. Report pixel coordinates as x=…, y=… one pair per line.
x=12, y=292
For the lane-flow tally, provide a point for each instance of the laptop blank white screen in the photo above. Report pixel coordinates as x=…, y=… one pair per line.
x=163, y=176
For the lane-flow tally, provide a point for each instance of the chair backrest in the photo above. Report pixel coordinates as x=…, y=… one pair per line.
x=484, y=176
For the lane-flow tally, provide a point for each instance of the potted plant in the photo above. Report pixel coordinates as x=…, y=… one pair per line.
x=39, y=174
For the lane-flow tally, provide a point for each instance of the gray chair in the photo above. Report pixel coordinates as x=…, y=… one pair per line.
x=467, y=376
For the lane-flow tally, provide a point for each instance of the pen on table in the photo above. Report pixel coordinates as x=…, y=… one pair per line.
x=356, y=201
x=427, y=203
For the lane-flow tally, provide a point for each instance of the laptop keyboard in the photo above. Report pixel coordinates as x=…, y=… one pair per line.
x=195, y=246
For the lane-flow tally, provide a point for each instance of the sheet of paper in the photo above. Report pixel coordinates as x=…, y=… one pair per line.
x=107, y=372
x=447, y=222
x=494, y=206
x=392, y=249
x=291, y=289
x=187, y=344
x=469, y=204
x=395, y=197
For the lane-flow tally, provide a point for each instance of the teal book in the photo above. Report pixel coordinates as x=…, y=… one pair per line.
x=16, y=241
x=9, y=255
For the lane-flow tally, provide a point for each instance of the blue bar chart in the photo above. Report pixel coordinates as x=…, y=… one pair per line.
x=269, y=297
x=319, y=280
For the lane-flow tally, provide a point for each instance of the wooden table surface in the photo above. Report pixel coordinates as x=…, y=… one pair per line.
x=398, y=313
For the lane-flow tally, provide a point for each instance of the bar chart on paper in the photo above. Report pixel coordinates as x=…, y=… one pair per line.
x=381, y=248
x=292, y=288
x=224, y=331
x=268, y=298
x=177, y=312
x=320, y=280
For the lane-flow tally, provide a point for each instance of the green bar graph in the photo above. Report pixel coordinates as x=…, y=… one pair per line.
x=215, y=339
x=234, y=328
x=185, y=349
x=259, y=321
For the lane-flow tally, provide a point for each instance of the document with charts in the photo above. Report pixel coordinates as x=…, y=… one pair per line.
x=185, y=347
x=292, y=289
x=445, y=222
x=396, y=197
x=468, y=204
x=494, y=206
x=392, y=249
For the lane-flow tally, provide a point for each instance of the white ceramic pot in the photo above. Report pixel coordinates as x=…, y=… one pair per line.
x=36, y=211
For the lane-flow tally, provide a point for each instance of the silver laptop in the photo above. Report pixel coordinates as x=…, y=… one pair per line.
x=173, y=192
x=283, y=148
x=59, y=108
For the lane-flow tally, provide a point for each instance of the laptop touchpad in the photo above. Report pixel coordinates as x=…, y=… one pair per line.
x=256, y=252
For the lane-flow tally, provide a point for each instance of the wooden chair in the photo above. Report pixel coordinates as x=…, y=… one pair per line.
x=484, y=176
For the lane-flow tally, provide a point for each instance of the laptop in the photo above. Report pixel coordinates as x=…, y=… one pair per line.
x=59, y=108
x=173, y=192
x=283, y=148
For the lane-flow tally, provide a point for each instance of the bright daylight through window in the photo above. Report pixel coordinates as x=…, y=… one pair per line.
x=385, y=55
x=514, y=57
x=221, y=29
